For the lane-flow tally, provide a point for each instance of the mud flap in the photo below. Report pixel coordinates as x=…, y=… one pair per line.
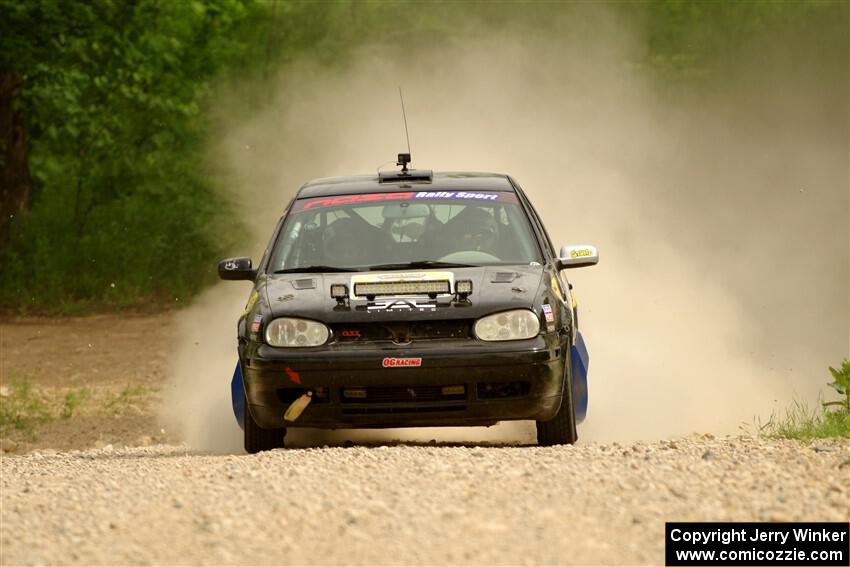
x=237, y=395
x=580, y=361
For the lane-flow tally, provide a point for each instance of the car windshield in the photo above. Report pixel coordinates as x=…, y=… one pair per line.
x=414, y=229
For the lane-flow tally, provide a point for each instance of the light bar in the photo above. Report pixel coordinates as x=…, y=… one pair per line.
x=402, y=288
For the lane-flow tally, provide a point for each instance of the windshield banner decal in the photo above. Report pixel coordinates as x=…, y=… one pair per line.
x=320, y=202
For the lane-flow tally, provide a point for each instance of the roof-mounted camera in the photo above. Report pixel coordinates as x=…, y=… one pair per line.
x=403, y=160
x=405, y=175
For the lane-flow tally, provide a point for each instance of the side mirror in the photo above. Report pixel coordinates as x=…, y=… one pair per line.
x=577, y=256
x=236, y=269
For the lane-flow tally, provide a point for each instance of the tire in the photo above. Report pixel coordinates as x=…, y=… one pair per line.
x=561, y=429
x=258, y=439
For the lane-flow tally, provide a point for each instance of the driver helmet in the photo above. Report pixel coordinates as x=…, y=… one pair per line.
x=476, y=229
x=346, y=243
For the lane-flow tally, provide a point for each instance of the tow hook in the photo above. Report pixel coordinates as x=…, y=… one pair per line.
x=297, y=407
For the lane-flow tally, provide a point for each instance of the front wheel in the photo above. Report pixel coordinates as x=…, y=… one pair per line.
x=561, y=429
x=258, y=439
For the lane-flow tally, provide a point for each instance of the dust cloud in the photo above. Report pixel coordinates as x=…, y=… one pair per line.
x=721, y=214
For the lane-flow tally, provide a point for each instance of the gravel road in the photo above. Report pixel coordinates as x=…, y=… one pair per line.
x=405, y=504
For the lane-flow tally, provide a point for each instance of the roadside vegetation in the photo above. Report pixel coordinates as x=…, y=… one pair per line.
x=108, y=200
x=25, y=408
x=824, y=420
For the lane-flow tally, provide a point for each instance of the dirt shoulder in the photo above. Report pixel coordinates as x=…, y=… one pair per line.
x=82, y=382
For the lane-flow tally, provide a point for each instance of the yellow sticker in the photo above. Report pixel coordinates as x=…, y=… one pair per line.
x=251, y=302
x=556, y=287
x=581, y=253
x=573, y=296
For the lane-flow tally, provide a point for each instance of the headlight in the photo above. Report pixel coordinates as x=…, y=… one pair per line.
x=508, y=326
x=289, y=332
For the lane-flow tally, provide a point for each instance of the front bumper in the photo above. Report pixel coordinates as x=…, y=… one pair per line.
x=500, y=381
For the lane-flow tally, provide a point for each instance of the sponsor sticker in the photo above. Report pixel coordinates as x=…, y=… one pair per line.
x=581, y=253
x=457, y=195
x=350, y=333
x=306, y=204
x=319, y=202
x=556, y=287
x=401, y=362
x=402, y=305
x=255, y=326
x=549, y=316
x=402, y=276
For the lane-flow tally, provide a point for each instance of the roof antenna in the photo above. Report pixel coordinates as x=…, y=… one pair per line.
x=404, y=159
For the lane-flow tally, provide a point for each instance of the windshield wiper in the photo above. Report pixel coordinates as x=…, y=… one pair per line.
x=315, y=270
x=421, y=264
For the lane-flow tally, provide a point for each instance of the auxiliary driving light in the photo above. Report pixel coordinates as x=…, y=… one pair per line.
x=463, y=288
x=339, y=291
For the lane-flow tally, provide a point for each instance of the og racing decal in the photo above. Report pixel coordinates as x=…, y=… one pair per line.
x=401, y=362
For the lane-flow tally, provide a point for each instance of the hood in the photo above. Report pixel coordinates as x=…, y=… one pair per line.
x=494, y=288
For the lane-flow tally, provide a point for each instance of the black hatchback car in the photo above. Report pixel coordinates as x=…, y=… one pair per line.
x=406, y=299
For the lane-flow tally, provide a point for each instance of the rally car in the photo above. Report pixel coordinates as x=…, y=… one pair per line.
x=408, y=299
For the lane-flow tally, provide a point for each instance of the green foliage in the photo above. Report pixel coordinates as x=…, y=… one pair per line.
x=24, y=408
x=128, y=396
x=114, y=91
x=21, y=409
x=73, y=399
x=841, y=384
x=801, y=422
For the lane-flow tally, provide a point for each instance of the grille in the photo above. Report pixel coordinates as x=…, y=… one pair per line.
x=487, y=390
x=397, y=394
x=414, y=409
x=403, y=332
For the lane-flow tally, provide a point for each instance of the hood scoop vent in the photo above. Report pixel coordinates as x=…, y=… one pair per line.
x=504, y=277
x=304, y=283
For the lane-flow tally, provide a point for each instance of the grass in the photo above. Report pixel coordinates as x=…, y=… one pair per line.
x=72, y=401
x=806, y=424
x=129, y=396
x=24, y=408
x=21, y=408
